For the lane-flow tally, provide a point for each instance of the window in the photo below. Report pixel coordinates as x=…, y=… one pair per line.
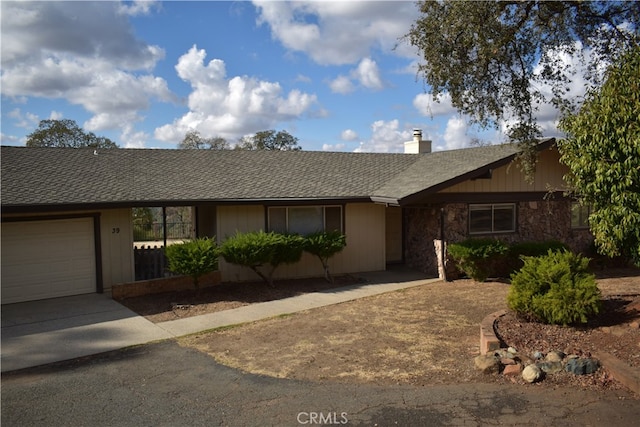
x=492, y=218
x=580, y=215
x=305, y=219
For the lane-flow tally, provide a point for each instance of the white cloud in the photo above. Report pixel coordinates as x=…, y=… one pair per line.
x=83, y=52
x=138, y=7
x=333, y=147
x=429, y=106
x=366, y=74
x=24, y=120
x=455, y=134
x=230, y=107
x=342, y=85
x=386, y=137
x=336, y=33
x=348, y=135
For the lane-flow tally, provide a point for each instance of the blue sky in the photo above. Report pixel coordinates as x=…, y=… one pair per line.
x=334, y=74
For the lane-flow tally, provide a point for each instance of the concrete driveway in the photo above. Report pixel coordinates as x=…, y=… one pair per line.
x=39, y=332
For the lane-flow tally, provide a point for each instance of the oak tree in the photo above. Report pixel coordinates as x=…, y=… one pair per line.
x=65, y=133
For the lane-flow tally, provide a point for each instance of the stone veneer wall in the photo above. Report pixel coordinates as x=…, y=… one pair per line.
x=535, y=221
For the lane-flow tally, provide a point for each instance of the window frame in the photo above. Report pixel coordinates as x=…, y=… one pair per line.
x=492, y=207
x=287, y=216
x=584, y=212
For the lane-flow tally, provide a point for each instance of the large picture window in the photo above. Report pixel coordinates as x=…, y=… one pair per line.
x=492, y=218
x=305, y=219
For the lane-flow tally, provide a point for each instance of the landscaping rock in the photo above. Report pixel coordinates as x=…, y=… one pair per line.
x=538, y=355
x=512, y=370
x=512, y=350
x=487, y=363
x=554, y=356
x=531, y=373
x=508, y=361
x=582, y=366
x=550, y=367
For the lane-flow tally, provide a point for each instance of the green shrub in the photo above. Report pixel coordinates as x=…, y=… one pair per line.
x=260, y=250
x=193, y=258
x=478, y=257
x=519, y=250
x=324, y=245
x=555, y=288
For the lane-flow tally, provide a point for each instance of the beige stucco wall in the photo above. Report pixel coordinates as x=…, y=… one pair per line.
x=548, y=176
x=365, y=251
x=116, y=241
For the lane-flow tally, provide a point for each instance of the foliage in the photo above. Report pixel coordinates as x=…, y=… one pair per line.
x=193, y=258
x=65, y=133
x=556, y=288
x=496, y=59
x=324, y=245
x=259, y=250
x=476, y=257
x=527, y=249
x=193, y=140
x=603, y=155
x=269, y=140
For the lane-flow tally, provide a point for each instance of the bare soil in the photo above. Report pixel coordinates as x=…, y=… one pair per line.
x=422, y=336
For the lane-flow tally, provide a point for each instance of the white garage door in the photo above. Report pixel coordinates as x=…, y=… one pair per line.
x=47, y=259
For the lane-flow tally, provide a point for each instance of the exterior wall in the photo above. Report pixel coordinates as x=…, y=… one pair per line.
x=365, y=250
x=116, y=242
x=535, y=221
x=549, y=175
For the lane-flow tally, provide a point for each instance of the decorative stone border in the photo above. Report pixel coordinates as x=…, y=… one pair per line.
x=625, y=374
x=488, y=339
x=165, y=284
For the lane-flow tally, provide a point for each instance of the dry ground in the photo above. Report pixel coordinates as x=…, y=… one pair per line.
x=422, y=336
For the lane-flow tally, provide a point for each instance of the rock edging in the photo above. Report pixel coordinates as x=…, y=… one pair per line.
x=626, y=375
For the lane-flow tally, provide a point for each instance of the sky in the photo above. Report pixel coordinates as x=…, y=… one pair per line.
x=335, y=74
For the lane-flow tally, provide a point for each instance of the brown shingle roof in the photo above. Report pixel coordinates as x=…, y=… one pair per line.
x=54, y=178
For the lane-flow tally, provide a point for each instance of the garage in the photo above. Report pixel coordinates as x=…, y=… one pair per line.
x=47, y=259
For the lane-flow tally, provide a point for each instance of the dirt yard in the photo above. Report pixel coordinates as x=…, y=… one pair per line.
x=422, y=336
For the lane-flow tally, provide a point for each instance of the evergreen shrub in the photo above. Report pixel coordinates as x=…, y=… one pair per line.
x=478, y=257
x=556, y=288
x=193, y=258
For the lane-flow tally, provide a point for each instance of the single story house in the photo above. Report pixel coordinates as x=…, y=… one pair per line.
x=67, y=213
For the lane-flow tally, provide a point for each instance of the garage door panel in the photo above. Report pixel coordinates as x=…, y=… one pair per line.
x=47, y=259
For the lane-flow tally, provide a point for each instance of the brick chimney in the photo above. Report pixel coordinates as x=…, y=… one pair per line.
x=417, y=145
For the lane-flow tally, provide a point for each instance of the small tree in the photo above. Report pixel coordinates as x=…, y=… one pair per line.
x=259, y=250
x=194, y=141
x=269, y=140
x=66, y=133
x=193, y=258
x=324, y=245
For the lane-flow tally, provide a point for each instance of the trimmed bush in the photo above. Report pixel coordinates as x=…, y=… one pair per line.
x=519, y=250
x=324, y=245
x=193, y=258
x=477, y=257
x=556, y=288
x=262, y=252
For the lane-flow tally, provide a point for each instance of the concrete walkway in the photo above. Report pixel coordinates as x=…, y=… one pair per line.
x=41, y=332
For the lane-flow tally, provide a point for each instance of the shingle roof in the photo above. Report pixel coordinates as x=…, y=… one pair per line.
x=59, y=177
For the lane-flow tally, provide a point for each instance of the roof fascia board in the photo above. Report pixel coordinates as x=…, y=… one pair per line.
x=474, y=174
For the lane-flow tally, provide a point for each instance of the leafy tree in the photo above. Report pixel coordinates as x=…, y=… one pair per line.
x=193, y=258
x=324, y=245
x=65, y=133
x=260, y=250
x=484, y=55
x=193, y=140
x=269, y=140
x=603, y=154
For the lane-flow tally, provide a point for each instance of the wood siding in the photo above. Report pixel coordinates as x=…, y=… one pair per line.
x=116, y=242
x=548, y=176
x=365, y=251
